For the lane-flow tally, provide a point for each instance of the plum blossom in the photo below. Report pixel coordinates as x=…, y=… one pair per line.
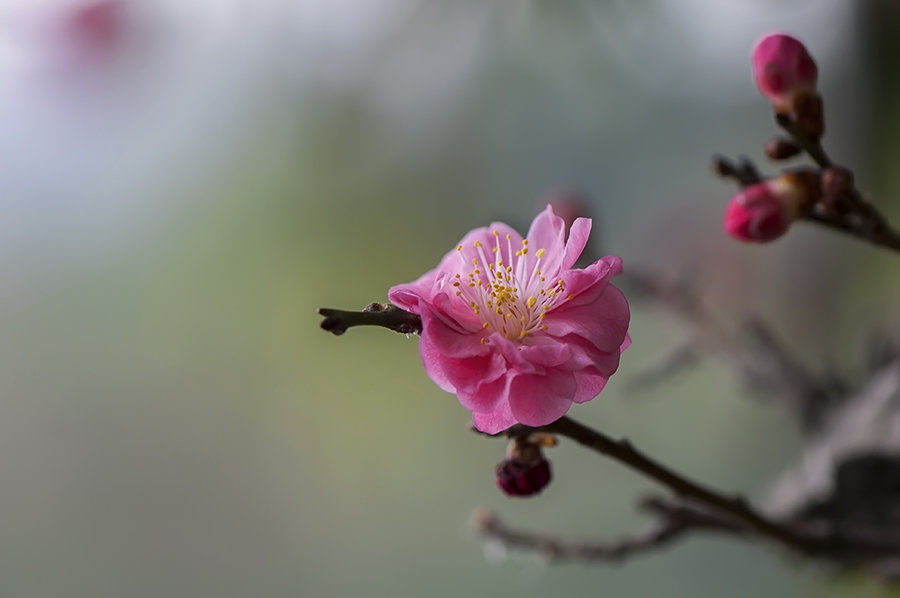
x=512, y=329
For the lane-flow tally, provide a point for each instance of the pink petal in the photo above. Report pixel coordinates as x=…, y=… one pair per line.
x=532, y=359
x=547, y=232
x=540, y=400
x=433, y=360
x=453, y=312
x=470, y=373
x=487, y=396
x=578, y=238
x=408, y=295
x=449, y=339
x=585, y=355
x=494, y=421
x=603, y=321
x=593, y=278
x=589, y=383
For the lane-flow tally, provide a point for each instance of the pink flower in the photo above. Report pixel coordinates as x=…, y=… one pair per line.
x=783, y=69
x=512, y=330
x=764, y=211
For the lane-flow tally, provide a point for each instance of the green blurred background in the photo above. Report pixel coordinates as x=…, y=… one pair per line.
x=180, y=196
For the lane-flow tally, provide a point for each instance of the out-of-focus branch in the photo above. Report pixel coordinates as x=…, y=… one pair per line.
x=674, y=521
x=743, y=171
x=872, y=228
x=337, y=321
x=733, y=509
x=763, y=361
x=819, y=535
x=813, y=148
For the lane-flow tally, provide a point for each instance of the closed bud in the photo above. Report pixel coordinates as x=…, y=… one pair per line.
x=784, y=71
x=782, y=149
x=524, y=471
x=764, y=211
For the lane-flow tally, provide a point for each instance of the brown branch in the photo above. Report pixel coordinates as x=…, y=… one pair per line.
x=337, y=321
x=744, y=171
x=861, y=220
x=813, y=148
x=873, y=229
x=674, y=522
x=847, y=543
x=733, y=508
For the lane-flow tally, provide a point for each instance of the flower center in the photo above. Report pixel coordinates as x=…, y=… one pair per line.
x=509, y=299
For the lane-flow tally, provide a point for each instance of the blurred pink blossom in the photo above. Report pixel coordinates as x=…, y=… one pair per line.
x=783, y=68
x=512, y=329
x=94, y=27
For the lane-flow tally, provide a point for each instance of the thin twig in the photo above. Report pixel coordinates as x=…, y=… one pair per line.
x=879, y=233
x=864, y=222
x=744, y=172
x=674, y=522
x=337, y=321
x=813, y=148
x=734, y=507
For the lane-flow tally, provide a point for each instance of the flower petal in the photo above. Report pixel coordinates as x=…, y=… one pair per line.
x=547, y=232
x=593, y=278
x=585, y=355
x=450, y=339
x=494, y=421
x=540, y=400
x=578, y=237
x=463, y=375
x=589, y=383
x=603, y=321
x=433, y=360
x=486, y=397
x=533, y=358
x=408, y=295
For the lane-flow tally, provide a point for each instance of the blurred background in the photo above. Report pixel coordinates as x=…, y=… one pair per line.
x=182, y=184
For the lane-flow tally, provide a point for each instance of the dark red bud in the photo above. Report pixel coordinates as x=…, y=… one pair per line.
x=782, y=149
x=524, y=471
x=523, y=479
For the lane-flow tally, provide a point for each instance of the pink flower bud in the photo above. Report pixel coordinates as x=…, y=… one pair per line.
x=783, y=68
x=764, y=211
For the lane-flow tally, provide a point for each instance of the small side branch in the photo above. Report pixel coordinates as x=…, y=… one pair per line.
x=674, y=522
x=872, y=227
x=732, y=509
x=813, y=148
x=337, y=321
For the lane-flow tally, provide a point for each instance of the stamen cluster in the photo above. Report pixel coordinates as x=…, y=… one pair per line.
x=509, y=299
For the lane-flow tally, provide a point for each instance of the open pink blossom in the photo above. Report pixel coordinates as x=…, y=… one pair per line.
x=512, y=329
